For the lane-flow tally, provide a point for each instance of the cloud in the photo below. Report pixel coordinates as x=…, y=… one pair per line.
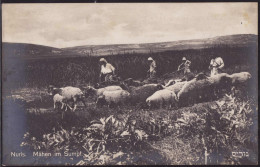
x=64, y=25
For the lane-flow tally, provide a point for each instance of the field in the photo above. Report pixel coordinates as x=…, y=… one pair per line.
x=205, y=133
x=166, y=136
x=37, y=66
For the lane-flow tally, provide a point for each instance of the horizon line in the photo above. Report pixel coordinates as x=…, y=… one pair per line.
x=126, y=43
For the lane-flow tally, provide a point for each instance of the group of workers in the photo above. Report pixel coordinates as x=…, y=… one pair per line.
x=107, y=70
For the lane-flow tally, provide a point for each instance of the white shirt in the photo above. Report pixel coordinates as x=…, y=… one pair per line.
x=108, y=68
x=217, y=63
x=152, y=66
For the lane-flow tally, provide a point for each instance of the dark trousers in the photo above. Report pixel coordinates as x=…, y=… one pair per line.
x=106, y=77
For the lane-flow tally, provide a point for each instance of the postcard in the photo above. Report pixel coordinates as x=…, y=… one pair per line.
x=129, y=84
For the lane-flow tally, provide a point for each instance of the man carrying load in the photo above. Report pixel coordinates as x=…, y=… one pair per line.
x=107, y=71
x=216, y=66
x=185, y=65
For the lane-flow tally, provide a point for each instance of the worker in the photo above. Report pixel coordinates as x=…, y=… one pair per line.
x=216, y=65
x=107, y=71
x=152, y=69
x=185, y=65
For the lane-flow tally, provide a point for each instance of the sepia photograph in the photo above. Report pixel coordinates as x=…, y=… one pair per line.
x=129, y=84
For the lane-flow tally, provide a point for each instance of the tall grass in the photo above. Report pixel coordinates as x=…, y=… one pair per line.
x=83, y=70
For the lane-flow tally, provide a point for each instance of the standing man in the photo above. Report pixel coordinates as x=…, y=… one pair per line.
x=152, y=70
x=216, y=65
x=185, y=65
x=107, y=70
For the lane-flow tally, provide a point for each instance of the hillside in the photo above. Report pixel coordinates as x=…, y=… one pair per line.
x=231, y=40
x=31, y=51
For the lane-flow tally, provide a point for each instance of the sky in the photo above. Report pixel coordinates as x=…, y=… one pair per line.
x=76, y=24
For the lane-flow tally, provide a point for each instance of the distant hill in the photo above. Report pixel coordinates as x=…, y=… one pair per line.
x=32, y=51
x=231, y=40
x=37, y=51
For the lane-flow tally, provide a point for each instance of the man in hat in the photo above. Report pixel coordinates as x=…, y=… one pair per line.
x=152, y=69
x=216, y=65
x=185, y=65
x=107, y=70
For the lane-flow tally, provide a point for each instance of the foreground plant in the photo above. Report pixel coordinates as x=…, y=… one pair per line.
x=202, y=134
